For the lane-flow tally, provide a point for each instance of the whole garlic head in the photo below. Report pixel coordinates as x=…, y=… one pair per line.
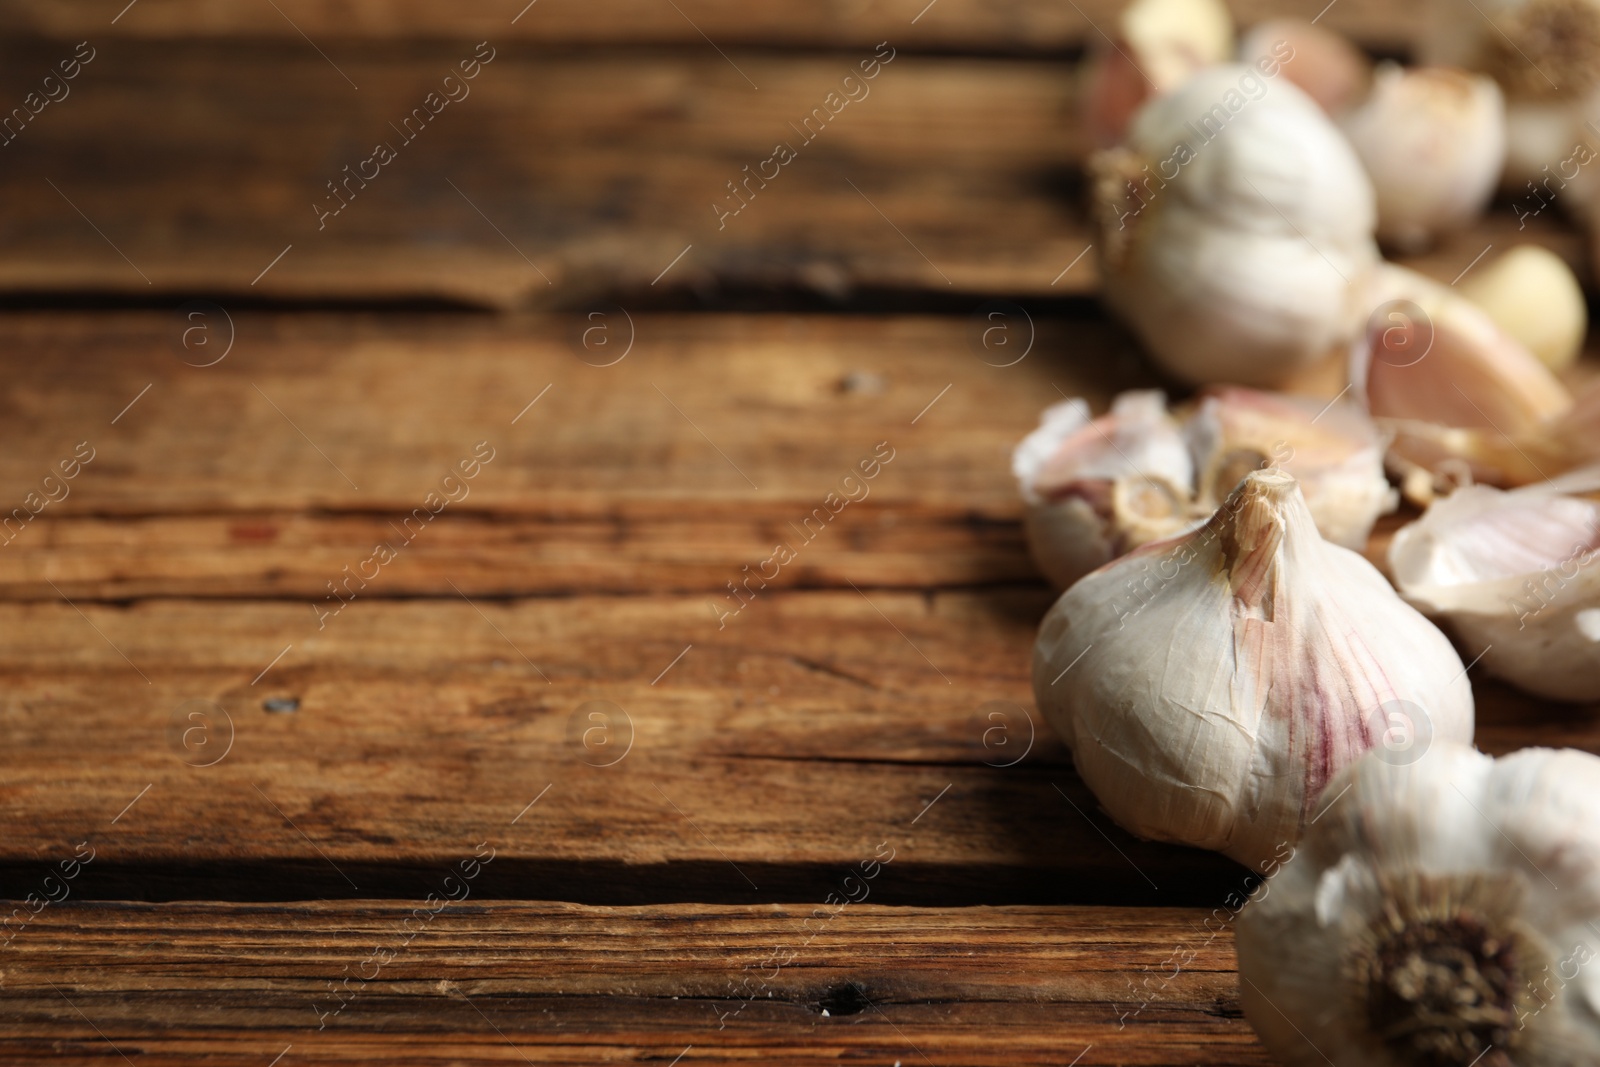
x=1515, y=574
x=1096, y=488
x=1433, y=140
x=1442, y=912
x=1232, y=228
x=1211, y=684
x=1545, y=55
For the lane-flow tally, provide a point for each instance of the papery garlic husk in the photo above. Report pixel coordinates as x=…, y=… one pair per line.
x=1515, y=576
x=1232, y=227
x=1096, y=488
x=1442, y=911
x=1210, y=685
x=1532, y=294
x=1332, y=449
x=1157, y=45
x=1464, y=400
x=1331, y=70
x=1433, y=141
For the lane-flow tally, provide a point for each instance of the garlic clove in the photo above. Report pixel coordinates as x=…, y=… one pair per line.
x=1233, y=225
x=1209, y=685
x=1533, y=296
x=1331, y=70
x=1438, y=909
x=1158, y=45
x=1433, y=140
x=1095, y=488
x=1512, y=574
x=1332, y=449
x=1461, y=396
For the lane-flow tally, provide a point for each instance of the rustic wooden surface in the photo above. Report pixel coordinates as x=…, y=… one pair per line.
x=531, y=192
x=998, y=26
x=267, y=792
x=565, y=984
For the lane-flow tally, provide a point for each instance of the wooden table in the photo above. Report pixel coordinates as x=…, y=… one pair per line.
x=529, y=782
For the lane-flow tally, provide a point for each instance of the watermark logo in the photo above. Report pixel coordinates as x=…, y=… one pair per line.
x=1400, y=332
x=200, y=732
x=204, y=333
x=1001, y=333
x=602, y=732
x=1008, y=732
x=1404, y=732
x=602, y=336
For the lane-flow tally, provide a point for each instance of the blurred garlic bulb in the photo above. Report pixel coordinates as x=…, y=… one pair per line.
x=1209, y=685
x=1545, y=54
x=1443, y=912
x=1157, y=46
x=1532, y=294
x=1433, y=141
x=1464, y=400
x=1330, y=69
x=1096, y=488
x=1513, y=573
x=1232, y=227
x=1333, y=450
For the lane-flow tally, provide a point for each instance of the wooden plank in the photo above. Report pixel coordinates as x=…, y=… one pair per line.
x=774, y=748
x=1020, y=26
x=559, y=983
x=739, y=763
x=631, y=476
x=561, y=178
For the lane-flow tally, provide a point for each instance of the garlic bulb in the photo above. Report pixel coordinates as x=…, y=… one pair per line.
x=1512, y=574
x=1464, y=400
x=1333, y=450
x=1232, y=228
x=1532, y=294
x=1444, y=911
x=1157, y=46
x=1209, y=685
x=1096, y=488
x=1545, y=54
x=1433, y=141
x=1330, y=69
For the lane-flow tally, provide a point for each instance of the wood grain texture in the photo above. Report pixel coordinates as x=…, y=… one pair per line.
x=623, y=478
x=558, y=984
x=561, y=178
x=1003, y=26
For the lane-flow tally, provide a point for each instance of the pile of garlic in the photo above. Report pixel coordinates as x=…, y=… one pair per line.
x=1097, y=488
x=1226, y=672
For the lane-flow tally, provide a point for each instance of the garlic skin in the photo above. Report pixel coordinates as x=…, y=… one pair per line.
x=1209, y=685
x=1232, y=227
x=1532, y=295
x=1513, y=573
x=1332, y=449
x=1433, y=141
x=1095, y=488
x=1330, y=69
x=1158, y=45
x=1464, y=400
x=1437, y=909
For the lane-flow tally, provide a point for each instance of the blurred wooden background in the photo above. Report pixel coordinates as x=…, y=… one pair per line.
x=254, y=779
